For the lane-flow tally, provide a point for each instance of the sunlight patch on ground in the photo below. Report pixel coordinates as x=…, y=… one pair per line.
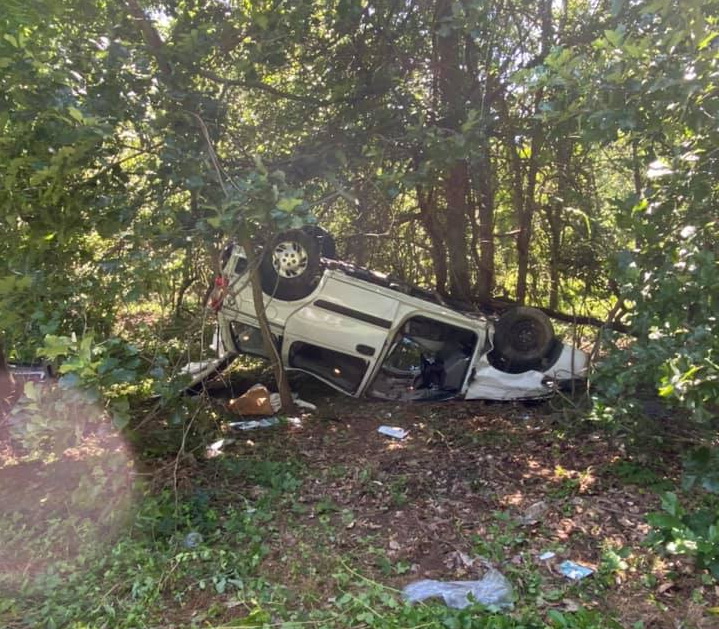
x=66, y=498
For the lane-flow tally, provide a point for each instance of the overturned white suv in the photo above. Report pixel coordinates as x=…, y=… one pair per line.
x=365, y=334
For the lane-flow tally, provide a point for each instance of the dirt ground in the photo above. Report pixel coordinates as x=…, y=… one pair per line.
x=473, y=484
x=478, y=483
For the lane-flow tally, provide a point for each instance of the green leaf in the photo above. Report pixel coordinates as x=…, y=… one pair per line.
x=120, y=420
x=120, y=412
x=76, y=114
x=558, y=619
x=614, y=37
x=32, y=391
x=85, y=349
x=194, y=182
x=70, y=381
x=56, y=346
x=664, y=521
x=706, y=42
x=288, y=204
x=670, y=504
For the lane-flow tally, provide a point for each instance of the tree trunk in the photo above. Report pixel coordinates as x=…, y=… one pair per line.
x=283, y=386
x=524, y=183
x=450, y=82
x=151, y=36
x=485, y=191
x=7, y=382
x=456, y=192
x=437, y=246
x=554, y=218
x=553, y=214
x=523, y=240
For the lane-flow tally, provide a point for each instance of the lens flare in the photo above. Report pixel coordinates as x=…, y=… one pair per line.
x=66, y=485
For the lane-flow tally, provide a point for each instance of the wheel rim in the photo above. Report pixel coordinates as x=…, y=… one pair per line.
x=289, y=259
x=525, y=336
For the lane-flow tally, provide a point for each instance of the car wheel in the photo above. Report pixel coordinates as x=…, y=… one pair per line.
x=523, y=338
x=290, y=267
x=324, y=239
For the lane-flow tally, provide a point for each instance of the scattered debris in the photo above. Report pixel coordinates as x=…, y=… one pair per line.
x=257, y=400
x=546, y=556
x=215, y=449
x=493, y=590
x=393, y=431
x=534, y=513
x=570, y=605
x=30, y=373
x=254, y=424
x=457, y=560
x=574, y=571
x=307, y=406
x=197, y=367
x=193, y=539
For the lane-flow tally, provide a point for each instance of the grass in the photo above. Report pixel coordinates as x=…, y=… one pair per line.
x=322, y=527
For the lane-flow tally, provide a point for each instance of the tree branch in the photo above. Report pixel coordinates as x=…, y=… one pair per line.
x=150, y=35
x=264, y=87
x=500, y=305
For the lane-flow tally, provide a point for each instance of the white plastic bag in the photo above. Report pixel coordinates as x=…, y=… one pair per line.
x=493, y=590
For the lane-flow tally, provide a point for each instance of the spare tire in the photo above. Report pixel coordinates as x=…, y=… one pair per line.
x=290, y=267
x=325, y=240
x=523, y=339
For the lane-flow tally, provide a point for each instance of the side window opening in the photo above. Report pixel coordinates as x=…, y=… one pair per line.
x=343, y=370
x=247, y=339
x=428, y=359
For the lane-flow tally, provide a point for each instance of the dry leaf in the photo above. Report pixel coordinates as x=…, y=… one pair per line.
x=570, y=605
x=534, y=513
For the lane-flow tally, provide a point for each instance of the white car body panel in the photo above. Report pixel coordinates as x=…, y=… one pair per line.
x=492, y=384
x=344, y=312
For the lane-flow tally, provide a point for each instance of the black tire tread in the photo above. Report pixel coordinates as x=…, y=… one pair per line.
x=507, y=353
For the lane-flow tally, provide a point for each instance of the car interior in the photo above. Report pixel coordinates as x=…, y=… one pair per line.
x=427, y=359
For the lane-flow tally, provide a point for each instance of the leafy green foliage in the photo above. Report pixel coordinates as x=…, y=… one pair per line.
x=127, y=580
x=688, y=532
x=701, y=469
x=644, y=87
x=692, y=530
x=96, y=381
x=124, y=162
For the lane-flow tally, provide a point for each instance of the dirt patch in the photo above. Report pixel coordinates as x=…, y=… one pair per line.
x=472, y=484
x=498, y=481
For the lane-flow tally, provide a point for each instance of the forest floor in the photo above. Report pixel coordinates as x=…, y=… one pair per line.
x=322, y=521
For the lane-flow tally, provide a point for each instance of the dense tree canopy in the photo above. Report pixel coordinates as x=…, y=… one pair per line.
x=562, y=154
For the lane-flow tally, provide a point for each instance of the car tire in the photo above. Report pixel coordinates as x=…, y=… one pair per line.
x=290, y=267
x=523, y=339
x=324, y=239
